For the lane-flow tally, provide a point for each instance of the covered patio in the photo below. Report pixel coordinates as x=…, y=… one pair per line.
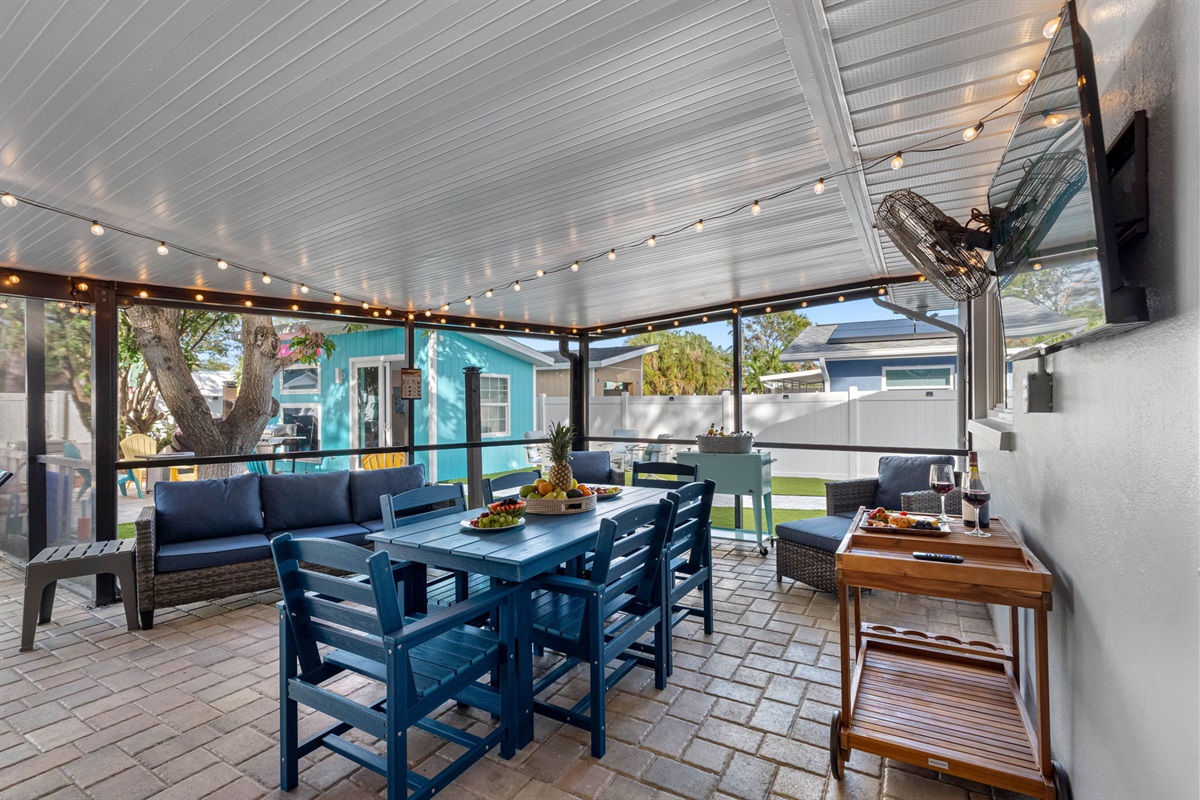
x=435, y=201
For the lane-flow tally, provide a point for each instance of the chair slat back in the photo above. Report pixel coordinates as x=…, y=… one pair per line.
x=630, y=547
x=316, y=603
x=259, y=467
x=693, y=510
x=382, y=460
x=511, y=481
x=413, y=506
x=137, y=445
x=653, y=474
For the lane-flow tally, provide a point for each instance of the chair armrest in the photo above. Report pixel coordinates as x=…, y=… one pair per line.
x=846, y=496
x=616, y=477
x=926, y=501
x=144, y=548
x=568, y=585
x=441, y=621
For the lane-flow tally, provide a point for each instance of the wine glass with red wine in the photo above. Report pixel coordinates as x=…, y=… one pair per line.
x=976, y=492
x=941, y=480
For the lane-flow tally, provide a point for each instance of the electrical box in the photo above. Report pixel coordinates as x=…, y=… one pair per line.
x=1038, y=391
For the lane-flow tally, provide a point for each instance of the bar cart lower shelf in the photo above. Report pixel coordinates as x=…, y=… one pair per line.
x=939, y=702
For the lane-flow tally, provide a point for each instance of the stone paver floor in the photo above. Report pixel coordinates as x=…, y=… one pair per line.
x=189, y=709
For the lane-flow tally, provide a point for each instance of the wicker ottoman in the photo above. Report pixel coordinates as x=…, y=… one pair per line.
x=804, y=550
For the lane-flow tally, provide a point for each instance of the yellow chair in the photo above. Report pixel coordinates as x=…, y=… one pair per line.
x=138, y=445
x=382, y=460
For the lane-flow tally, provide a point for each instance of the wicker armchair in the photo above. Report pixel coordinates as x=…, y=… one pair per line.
x=927, y=502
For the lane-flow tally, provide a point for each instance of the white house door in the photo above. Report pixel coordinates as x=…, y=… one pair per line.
x=375, y=421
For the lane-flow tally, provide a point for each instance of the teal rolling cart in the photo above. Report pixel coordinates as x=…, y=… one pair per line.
x=738, y=474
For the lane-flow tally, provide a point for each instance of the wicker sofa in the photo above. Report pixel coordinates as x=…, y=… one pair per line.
x=805, y=548
x=204, y=540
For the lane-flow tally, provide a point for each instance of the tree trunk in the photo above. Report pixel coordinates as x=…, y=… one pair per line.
x=157, y=331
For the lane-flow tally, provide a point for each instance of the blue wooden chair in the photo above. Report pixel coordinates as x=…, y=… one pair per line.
x=663, y=474
x=513, y=480
x=689, y=557
x=600, y=619
x=423, y=662
x=418, y=505
x=260, y=467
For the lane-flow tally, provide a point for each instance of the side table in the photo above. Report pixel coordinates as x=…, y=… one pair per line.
x=44, y=570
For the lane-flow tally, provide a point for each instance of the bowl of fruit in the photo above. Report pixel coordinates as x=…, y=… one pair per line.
x=606, y=492
x=495, y=521
x=544, y=497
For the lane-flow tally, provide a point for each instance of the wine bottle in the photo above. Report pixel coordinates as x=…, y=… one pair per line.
x=969, y=512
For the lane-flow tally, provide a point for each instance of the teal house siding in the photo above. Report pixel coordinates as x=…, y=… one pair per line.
x=444, y=385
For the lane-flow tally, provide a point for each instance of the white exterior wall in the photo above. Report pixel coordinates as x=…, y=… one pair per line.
x=1104, y=489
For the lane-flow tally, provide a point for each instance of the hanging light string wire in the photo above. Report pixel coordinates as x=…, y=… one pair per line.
x=862, y=167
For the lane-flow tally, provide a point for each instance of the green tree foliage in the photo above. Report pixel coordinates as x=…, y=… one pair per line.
x=764, y=338
x=685, y=364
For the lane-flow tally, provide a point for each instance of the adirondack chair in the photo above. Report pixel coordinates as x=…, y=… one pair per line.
x=71, y=450
x=689, y=557
x=422, y=662
x=260, y=467
x=137, y=445
x=382, y=460
x=654, y=474
x=600, y=619
x=417, y=505
x=513, y=480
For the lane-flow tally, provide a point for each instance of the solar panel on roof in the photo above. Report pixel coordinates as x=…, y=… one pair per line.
x=884, y=330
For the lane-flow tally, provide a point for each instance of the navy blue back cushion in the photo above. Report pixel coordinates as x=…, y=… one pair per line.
x=306, y=501
x=898, y=474
x=367, y=486
x=188, y=511
x=591, y=466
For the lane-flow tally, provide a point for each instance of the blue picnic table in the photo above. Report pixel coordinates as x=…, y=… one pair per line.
x=511, y=557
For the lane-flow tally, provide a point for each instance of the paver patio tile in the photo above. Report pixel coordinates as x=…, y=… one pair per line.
x=135, y=783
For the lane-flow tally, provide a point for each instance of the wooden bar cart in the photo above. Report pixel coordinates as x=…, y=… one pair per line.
x=939, y=702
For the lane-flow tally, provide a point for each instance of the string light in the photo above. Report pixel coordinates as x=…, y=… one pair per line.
x=374, y=313
x=73, y=309
x=622, y=330
x=445, y=306
x=882, y=290
x=767, y=310
x=467, y=301
x=920, y=278
x=501, y=326
x=841, y=298
x=574, y=266
x=222, y=264
x=1051, y=27
x=897, y=161
x=143, y=294
x=1026, y=76
x=249, y=304
x=755, y=209
x=516, y=286
x=412, y=315
x=14, y=279
x=676, y=323
x=1037, y=265
x=337, y=298
x=612, y=255
x=266, y=278
x=1053, y=120
x=704, y=319
x=97, y=229
x=472, y=324
x=337, y=311
x=489, y=293
x=8, y=200
x=304, y=288
x=972, y=133
x=295, y=307
x=81, y=286
x=699, y=225
x=366, y=305
x=163, y=249
x=387, y=312
x=428, y=313
x=819, y=186
x=804, y=304
x=199, y=298
x=651, y=241
x=61, y=304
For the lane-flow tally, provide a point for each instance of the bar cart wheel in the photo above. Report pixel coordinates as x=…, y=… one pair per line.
x=835, y=753
x=1062, y=782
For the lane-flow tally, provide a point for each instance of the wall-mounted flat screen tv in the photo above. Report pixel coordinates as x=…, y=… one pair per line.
x=1055, y=243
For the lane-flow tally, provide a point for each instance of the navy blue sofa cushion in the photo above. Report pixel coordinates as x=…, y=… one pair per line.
x=187, y=511
x=345, y=532
x=214, y=552
x=591, y=466
x=820, y=533
x=311, y=500
x=899, y=474
x=367, y=486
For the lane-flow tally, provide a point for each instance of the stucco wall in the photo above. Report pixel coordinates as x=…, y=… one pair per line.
x=1105, y=488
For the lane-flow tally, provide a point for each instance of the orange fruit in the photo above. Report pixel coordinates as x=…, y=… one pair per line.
x=545, y=488
x=586, y=491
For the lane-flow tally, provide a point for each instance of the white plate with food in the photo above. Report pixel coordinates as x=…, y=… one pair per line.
x=883, y=521
x=492, y=523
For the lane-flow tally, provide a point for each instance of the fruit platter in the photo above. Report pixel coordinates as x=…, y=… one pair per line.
x=882, y=520
x=606, y=492
x=503, y=515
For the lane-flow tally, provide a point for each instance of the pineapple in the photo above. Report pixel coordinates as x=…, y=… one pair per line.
x=558, y=449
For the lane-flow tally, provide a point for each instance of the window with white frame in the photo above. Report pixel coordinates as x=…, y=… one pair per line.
x=494, y=404
x=300, y=379
x=918, y=377
x=307, y=419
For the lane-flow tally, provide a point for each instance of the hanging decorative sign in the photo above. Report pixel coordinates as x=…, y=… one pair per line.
x=410, y=384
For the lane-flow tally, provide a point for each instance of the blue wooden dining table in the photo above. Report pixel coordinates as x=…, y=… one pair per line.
x=517, y=556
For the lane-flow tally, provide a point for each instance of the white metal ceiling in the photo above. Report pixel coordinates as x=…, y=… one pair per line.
x=410, y=153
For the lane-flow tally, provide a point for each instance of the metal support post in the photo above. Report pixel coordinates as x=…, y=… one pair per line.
x=104, y=428
x=35, y=421
x=474, y=434
x=737, y=403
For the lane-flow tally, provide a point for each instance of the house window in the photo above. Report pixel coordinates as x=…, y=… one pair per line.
x=307, y=419
x=300, y=379
x=494, y=405
x=918, y=377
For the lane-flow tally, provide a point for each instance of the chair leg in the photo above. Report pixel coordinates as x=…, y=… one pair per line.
x=147, y=619
x=596, y=712
x=128, y=594
x=36, y=609
x=662, y=647
x=706, y=590
x=289, y=739
x=397, y=744
x=47, y=606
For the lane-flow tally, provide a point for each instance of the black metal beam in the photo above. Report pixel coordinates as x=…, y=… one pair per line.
x=474, y=434
x=737, y=402
x=410, y=355
x=35, y=421
x=104, y=427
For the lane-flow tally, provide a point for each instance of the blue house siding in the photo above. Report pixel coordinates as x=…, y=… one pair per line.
x=867, y=374
x=454, y=352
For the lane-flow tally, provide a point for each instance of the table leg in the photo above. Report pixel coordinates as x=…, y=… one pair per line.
x=524, y=654
x=858, y=623
x=1014, y=641
x=756, y=499
x=844, y=631
x=770, y=520
x=1042, y=657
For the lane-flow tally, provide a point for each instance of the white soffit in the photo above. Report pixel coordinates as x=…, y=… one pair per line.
x=408, y=154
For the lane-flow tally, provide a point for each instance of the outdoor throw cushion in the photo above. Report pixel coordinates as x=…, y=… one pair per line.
x=313, y=500
x=820, y=533
x=367, y=486
x=218, y=552
x=346, y=532
x=591, y=466
x=899, y=474
x=186, y=511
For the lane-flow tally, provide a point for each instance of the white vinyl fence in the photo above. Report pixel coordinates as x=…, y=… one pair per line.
x=907, y=418
x=62, y=419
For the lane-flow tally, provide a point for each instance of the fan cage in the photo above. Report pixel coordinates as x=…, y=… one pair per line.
x=1048, y=185
x=932, y=241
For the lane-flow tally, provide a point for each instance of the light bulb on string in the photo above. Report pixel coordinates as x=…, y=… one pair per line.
x=819, y=186
x=295, y=307
x=83, y=311
x=804, y=304
x=337, y=298
x=841, y=298
x=897, y=161
x=755, y=209
x=248, y=303
x=489, y=293
x=467, y=302
x=143, y=294
x=61, y=304
x=374, y=313
x=163, y=249
x=1051, y=27
x=72, y=309
x=304, y=288
x=445, y=306
x=574, y=266
x=8, y=200
x=97, y=229
x=972, y=133
x=81, y=286
x=387, y=312
x=1026, y=76
x=651, y=241
x=612, y=255
x=541, y=273
x=882, y=291
x=222, y=264
x=1054, y=119
x=517, y=286
x=699, y=225
x=365, y=305
x=14, y=279
x=428, y=313
x=199, y=298
x=704, y=319
x=266, y=278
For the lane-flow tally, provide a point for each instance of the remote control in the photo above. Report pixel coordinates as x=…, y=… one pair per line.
x=942, y=557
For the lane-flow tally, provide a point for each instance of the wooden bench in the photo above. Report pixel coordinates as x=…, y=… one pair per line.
x=48, y=567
